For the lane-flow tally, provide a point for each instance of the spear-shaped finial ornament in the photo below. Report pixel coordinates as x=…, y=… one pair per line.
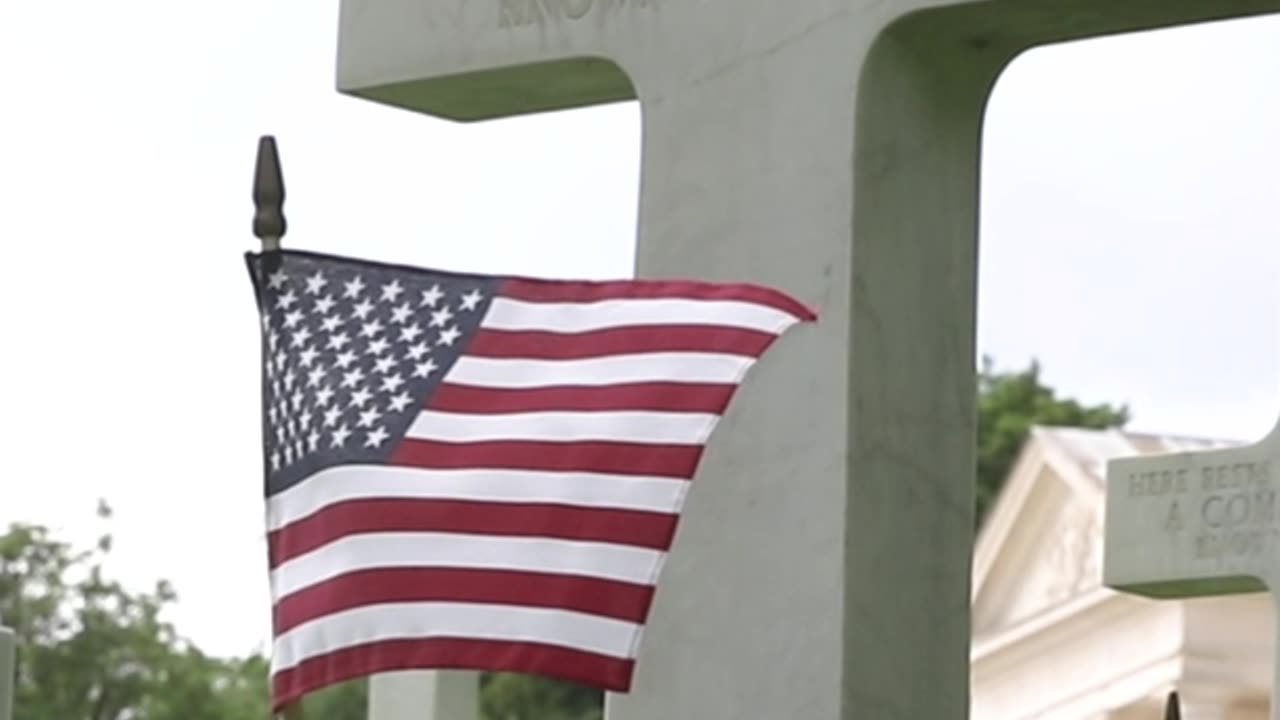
x=1173, y=708
x=268, y=195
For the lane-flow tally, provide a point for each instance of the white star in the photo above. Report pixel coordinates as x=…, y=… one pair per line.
x=471, y=300
x=371, y=328
x=289, y=378
x=272, y=413
x=313, y=440
x=340, y=436
x=353, y=287
x=431, y=296
x=266, y=320
x=410, y=333
x=377, y=347
x=330, y=323
x=424, y=369
x=375, y=438
x=286, y=301
x=369, y=417
x=273, y=337
x=304, y=418
x=308, y=356
x=300, y=338
x=292, y=318
x=315, y=376
x=360, y=397
x=391, y=383
x=345, y=359
x=352, y=377
x=392, y=290
x=441, y=316
x=449, y=335
x=384, y=364
x=288, y=454
x=417, y=351
x=401, y=313
x=324, y=395
x=275, y=460
x=331, y=416
x=400, y=402
x=339, y=341
x=325, y=304
x=362, y=309
x=296, y=398
x=277, y=279
x=316, y=283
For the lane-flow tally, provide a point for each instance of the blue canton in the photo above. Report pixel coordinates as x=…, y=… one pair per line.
x=351, y=351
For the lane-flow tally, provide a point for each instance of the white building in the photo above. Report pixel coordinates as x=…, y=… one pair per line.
x=1050, y=643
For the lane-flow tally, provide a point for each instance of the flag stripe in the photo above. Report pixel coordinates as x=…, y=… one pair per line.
x=585, y=291
x=631, y=426
x=401, y=515
x=345, y=483
x=624, y=563
x=618, y=341
x=611, y=370
x=459, y=653
x=670, y=397
x=622, y=601
x=675, y=461
x=510, y=623
x=575, y=316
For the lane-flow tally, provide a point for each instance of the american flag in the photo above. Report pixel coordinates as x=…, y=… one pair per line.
x=479, y=472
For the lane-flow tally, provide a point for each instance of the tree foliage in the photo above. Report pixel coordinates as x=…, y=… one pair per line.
x=1009, y=403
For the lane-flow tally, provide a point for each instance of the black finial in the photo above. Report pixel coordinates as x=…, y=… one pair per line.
x=268, y=195
x=1173, y=708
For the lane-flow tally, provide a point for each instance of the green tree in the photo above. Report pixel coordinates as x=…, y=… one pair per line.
x=512, y=696
x=91, y=649
x=1009, y=403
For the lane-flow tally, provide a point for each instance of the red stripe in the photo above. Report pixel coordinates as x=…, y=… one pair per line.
x=610, y=598
x=675, y=461
x=602, y=671
x=568, y=291
x=618, y=341
x=391, y=514
x=670, y=397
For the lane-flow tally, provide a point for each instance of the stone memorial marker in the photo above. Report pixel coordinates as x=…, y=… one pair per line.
x=1195, y=524
x=6, y=672
x=828, y=148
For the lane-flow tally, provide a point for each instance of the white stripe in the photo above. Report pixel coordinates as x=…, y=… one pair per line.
x=425, y=549
x=359, y=482
x=681, y=428
x=642, y=367
x=508, y=314
x=373, y=623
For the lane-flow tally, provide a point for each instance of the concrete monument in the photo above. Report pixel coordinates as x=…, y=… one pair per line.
x=1196, y=524
x=828, y=148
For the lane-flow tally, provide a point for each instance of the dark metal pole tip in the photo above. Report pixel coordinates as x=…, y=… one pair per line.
x=268, y=195
x=1172, y=707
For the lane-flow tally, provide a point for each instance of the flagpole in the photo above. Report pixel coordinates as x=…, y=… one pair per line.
x=269, y=226
x=1172, y=707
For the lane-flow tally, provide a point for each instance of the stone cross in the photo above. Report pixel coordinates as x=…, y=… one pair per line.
x=6, y=672
x=1196, y=524
x=828, y=148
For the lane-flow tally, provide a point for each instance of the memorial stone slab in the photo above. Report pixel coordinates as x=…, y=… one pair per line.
x=1196, y=524
x=828, y=148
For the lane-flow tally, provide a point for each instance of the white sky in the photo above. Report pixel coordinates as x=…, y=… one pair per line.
x=1131, y=241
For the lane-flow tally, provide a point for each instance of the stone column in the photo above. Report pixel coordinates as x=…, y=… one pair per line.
x=418, y=695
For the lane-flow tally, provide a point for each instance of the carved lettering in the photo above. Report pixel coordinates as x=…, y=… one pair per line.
x=1235, y=476
x=523, y=13
x=1173, y=523
x=1155, y=483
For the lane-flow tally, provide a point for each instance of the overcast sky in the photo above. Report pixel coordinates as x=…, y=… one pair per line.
x=1130, y=240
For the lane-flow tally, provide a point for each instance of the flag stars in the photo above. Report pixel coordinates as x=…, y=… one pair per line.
x=384, y=364
x=360, y=397
x=362, y=309
x=316, y=283
x=331, y=416
x=325, y=304
x=471, y=300
x=369, y=417
x=400, y=402
x=401, y=314
x=440, y=317
x=277, y=279
x=375, y=438
x=313, y=440
x=431, y=296
x=330, y=323
x=392, y=290
x=410, y=333
x=424, y=369
x=352, y=288
x=292, y=318
x=286, y=301
x=379, y=346
x=449, y=335
x=344, y=359
x=300, y=338
x=352, y=377
x=391, y=383
x=371, y=329
x=338, y=437
x=417, y=351
x=338, y=341
x=308, y=356
x=324, y=396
